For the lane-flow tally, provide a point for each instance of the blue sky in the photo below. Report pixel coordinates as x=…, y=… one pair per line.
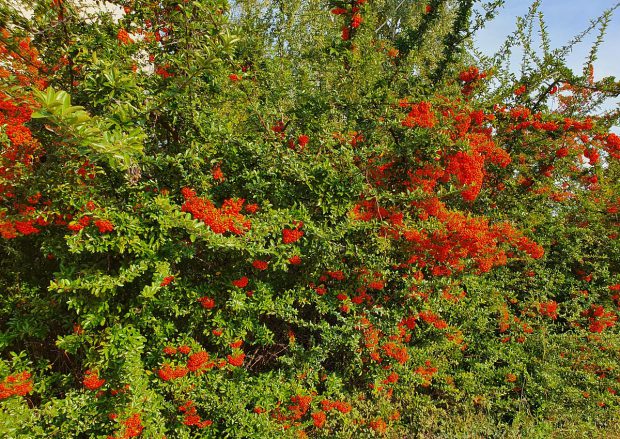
x=565, y=19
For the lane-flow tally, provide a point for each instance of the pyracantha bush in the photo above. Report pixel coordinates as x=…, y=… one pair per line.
x=302, y=219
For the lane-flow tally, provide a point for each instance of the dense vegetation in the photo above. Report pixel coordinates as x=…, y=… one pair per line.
x=291, y=218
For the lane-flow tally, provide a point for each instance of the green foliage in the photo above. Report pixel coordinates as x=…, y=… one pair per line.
x=231, y=218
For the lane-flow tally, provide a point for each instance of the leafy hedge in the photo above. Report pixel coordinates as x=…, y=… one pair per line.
x=302, y=218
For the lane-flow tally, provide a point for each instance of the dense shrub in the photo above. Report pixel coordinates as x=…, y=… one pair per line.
x=302, y=218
